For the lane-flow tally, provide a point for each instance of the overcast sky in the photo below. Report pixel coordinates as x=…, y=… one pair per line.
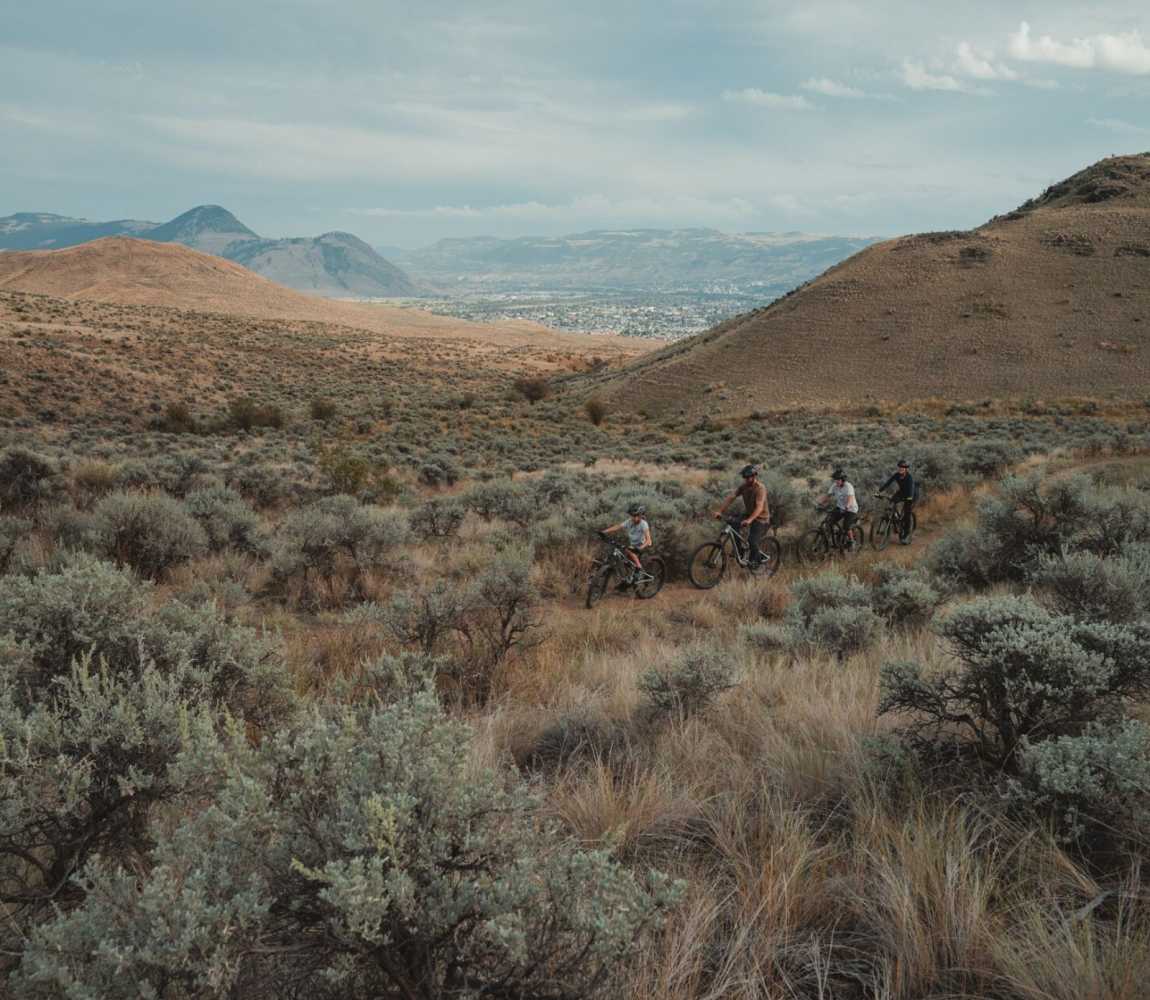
x=405, y=123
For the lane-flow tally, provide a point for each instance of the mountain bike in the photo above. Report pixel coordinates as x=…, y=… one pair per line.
x=709, y=561
x=827, y=539
x=891, y=520
x=613, y=564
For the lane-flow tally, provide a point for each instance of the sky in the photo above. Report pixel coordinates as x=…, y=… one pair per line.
x=407, y=123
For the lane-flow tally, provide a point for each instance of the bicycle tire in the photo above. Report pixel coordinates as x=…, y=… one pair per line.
x=815, y=546
x=709, y=570
x=880, y=532
x=649, y=588
x=597, y=586
x=772, y=558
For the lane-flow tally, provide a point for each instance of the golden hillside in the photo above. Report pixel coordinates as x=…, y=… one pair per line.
x=1050, y=300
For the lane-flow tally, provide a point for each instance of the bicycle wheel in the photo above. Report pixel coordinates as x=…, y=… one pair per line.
x=772, y=558
x=815, y=545
x=880, y=532
x=597, y=587
x=707, y=566
x=646, y=589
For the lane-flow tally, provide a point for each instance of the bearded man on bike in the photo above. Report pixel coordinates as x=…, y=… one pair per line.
x=755, y=506
x=904, y=495
x=842, y=494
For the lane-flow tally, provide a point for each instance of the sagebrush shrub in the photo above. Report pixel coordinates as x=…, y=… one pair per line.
x=1092, y=785
x=380, y=863
x=1025, y=674
x=844, y=630
x=438, y=519
x=13, y=530
x=152, y=533
x=227, y=520
x=316, y=541
x=690, y=683
x=1092, y=588
x=27, y=480
x=904, y=598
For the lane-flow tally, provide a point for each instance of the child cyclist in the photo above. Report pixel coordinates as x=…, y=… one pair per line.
x=638, y=534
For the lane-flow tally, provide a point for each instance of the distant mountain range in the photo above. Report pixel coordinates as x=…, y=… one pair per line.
x=335, y=265
x=663, y=260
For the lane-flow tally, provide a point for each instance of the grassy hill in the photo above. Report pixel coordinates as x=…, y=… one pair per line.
x=1049, y=300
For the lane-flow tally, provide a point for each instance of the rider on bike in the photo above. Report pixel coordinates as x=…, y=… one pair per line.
x=904, y=495
x=846, y=504
x=758, y=511
x=638, y=536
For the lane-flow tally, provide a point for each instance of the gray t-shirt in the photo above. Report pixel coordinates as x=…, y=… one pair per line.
x=637, y=533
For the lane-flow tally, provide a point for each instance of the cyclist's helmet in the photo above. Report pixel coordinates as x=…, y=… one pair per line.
x=903, y=463
x=749, y=470
x=636, y=510
x=838, y=474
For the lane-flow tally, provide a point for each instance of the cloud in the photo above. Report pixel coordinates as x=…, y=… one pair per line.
x=980, y=66
x=916, y=76
x=832, y=88
x=587, y=209
x=1118, y=125
x=765, y=99
x=1125, y=53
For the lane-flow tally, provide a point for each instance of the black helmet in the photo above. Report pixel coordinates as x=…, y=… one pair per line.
x=636, y=509
x=838, y=474
x=903, y=463
x=749, y=470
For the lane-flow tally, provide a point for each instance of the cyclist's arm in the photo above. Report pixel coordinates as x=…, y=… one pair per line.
x=647, y=543
x=615, y=527
x=882, y=488
x=727, y=503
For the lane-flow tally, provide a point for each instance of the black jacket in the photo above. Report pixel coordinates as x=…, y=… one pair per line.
x=905, y=486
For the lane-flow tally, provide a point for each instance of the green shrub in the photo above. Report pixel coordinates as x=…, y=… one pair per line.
x=904, y=598
x=1093, y=785
x=323, y=409
x=1091, y=588
x=439, y=470
x=89, y=608
x=317, y=541
x=1025, y=675
x=27, y=480
x=150, y=533
x=84, y=765
x=596, y=410
x=13, y=531
x=961, y=560
x=844, y=631
x=379, y=862
x=228, y=522
x=177, y=419
x=690, y=683
x=438, y=519
x=533, y=388
x=246, y=414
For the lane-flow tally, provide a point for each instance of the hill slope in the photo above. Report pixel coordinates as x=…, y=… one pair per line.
x=133, y=272
x=334, y=264
x=1050, y=300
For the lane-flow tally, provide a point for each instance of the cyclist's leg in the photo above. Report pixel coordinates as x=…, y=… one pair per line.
x=849, y=519
x=833, y=519
x=904, y=520
x=754, y=537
